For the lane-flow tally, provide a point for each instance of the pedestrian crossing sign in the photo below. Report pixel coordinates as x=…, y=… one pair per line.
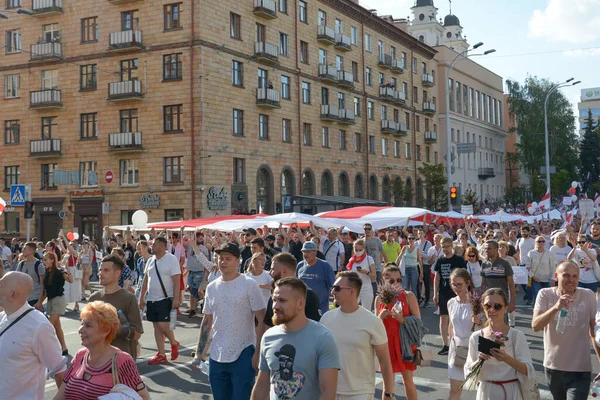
x=17, y=195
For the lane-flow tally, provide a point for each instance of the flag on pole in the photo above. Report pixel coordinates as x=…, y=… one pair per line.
x=585, y=196
x=260, y=209
x=545, y=202
x=569, y=218
x=2, y=205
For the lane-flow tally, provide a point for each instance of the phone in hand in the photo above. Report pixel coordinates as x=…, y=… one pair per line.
x=359, y=267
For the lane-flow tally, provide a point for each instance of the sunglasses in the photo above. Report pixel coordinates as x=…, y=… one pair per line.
x=411, y=238
x=392, y=281
x=540, y=241
x=368, y=229
x=338, y=288
x=472, y=255
x=581, y=242
x=495, y=306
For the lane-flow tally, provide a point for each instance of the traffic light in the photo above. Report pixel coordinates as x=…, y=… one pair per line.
x=453, y=192
x=29, y=209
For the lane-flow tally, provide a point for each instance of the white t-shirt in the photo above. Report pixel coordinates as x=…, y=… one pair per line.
x=232, y=305
x=356, y=334
x=262, y=279
x=586, y=267
x=168, y=266
x=5, y=253
x=560, y=253
x=332, y=254
x=434, y=252
x=474, y=269
x=366, y=279
x=178, y=251
x=524, y=246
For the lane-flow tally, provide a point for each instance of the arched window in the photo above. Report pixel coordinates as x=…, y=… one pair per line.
x=264, y=190
x=287, y=182
x=398, y=192
x=358, y=187
x=343, y=189
x=327, y=184
x=420, y=199
x=308, y=183
x=373, y=188
x=386, y=190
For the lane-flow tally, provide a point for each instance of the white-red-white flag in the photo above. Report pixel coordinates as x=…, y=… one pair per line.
x=2, y=205
x=545, y=202
x=569, y=218
x=597, y=198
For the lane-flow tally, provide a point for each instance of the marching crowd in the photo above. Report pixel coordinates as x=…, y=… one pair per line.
x=316, y=312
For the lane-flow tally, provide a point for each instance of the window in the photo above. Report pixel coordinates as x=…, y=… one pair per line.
x=356, y=107
x=477, y=104
x=339, y=26
x=372, y=144
x=384, y=146
x=130, y=20
x=381, y=79
x=13, y=3
x=354, y=35
x=50, y=33
x=357, y=142
x=407, y=151
x=13, y=41
x=383, y=113
x=307, y=134
x=325, y=137
x=11, y=176
x=355, y=71
x=322, y=57
x=342, y=140
x=172, y=67
x=128, y=120
x=418, y=152
x=286, y=130
x=172, y=118
x=414, y=65
x=263, y=126
x=235, y=26
x=86, y=170
x=283, y=44
x=465, y=100
x=89, y=30
x=303, y=52
x=415, y=94
x=48, y=176
x=12, y=84
x=407, y=119
x=12, y=131
x=173, y=170
x=370, y=110
x=368, y=76
x=88, y=126
x=417, y=123
x=283, y=6
x=470, y=102
x=396, y=148
x=302, y=13
x=129, y=70
x=339, y=63
x=427, y=154
x=403, y=59
x=427, y=125
x=48, y=127
x=129, y=175
x=50, y=79
x=238, y=122
x=435, y=158
x=367, y=42
x=488, y=110
x=239, y=170
x=322, y=18
x=495, y=112
x=172, y=16
x=285, y=87
x=88, y=77
x=306, y=92
x=405, y=88
x=174, y=215
x=392, y=52
x=500, y=113
x=380, y=49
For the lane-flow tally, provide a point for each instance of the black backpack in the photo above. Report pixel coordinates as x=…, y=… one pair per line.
x=37, y=263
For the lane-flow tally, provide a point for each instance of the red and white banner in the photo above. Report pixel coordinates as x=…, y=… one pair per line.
x=545, y=202
x=2, y=205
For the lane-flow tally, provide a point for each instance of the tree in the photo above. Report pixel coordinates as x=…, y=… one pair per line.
x=396, y=188
x=469, y=197
x=526, y=103
x=589, y=153
x=434, y=180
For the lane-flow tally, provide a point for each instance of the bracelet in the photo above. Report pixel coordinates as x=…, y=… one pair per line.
x=389, y=395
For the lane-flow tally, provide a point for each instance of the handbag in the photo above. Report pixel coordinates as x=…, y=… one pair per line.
x=460, y=355
x=77, y=273
x=530, y=280
x=119, y=390
x=422, y=356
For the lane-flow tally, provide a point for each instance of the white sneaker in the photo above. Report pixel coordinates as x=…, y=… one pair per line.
x=437, y=311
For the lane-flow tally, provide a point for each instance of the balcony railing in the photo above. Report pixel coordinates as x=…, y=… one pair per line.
x=46, y=51
x=49, y=98
x=430, y=137
x=265, y=8
x=399, y=97
x=45, y=147
x=397, y=66
x=325, y=34
x=329, y=112
x=427, y=80
x=388, y=126
x=268, y=98
x=346, y=78
x=266, y=52
x=385, y=61
x=126, y=90
x=402, y=129
x=389, y=93
x=346, y=116
x=328, y=73
x=46, y=7
x=485, y=173
x=125, y=141
x=342, y=42
x=125, y=40
x=428, y=107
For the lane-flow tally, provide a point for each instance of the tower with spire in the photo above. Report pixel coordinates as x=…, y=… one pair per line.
x=425, y=26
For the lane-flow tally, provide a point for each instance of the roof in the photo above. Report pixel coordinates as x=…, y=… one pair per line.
x=341, y=200
x=424, y=3
x=451, y=20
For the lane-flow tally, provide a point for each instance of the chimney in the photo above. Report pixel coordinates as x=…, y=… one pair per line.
x=401, y=23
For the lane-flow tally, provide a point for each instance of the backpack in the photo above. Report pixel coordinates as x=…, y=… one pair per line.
x=37, y=263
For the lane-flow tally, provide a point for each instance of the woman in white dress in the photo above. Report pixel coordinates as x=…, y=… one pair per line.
x=73, y=293
x=459, y=329
x=364, y=265
x=256, y=271
x=505, y=367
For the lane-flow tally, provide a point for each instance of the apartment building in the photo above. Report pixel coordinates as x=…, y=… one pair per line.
x=190, y=109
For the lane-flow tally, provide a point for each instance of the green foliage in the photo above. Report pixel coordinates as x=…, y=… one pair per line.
x=396, y=188
x=408, y=196
x=434, y=181
x=470, y=197
x=589, y=154
x=517, y=195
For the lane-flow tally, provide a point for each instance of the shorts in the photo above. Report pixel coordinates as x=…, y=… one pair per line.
x=159, y=311
x=443, y=303
x=195, y=279
x=56, y=305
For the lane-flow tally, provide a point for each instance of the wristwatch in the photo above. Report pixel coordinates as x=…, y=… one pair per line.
x=391, y=395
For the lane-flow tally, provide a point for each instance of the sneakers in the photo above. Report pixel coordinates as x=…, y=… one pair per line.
x=426, y=305
x=174, y=351
x=191, y=313
x=437, y=312
x=159, y=359
x=443, y=351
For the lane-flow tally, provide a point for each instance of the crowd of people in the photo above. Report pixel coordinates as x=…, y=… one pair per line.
x=300, y=312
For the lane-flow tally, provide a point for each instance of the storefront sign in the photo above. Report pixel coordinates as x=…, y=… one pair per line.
x=590, y=94
x=150, y=201
x=85, y=194
x=217, y=200
x=9, y=209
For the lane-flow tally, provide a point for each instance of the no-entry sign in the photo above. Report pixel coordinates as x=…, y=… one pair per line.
x=108, y=177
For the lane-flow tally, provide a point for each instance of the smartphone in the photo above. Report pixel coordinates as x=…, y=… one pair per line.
x=358, y=267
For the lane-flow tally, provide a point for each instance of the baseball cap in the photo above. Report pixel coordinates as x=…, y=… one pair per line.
x=271, y=237
x=229, y=247
x=309, y=246
x=251, y=231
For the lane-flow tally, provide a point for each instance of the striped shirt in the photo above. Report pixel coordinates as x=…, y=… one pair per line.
x=84, y=382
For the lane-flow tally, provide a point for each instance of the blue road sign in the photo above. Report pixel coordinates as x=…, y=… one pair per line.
x=287, y=202
x=17, y=195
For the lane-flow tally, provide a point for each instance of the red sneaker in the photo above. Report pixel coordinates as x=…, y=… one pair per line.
x=158, y=359
x=175, y=351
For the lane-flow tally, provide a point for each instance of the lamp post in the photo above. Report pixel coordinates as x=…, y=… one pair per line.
x=459, y=57
x=553, y=89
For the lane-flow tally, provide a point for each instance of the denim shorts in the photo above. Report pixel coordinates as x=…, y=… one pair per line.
x=195, y=279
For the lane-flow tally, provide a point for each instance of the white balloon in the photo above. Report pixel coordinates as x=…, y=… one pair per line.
x=139, y=219
x=531, y=210
x=534, y=205
x=574, y=198
x=574, y=184
x=75, y=235
x=487, y=210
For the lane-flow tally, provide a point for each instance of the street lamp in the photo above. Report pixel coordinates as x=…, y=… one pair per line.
x=553, y=89
x=459, y=57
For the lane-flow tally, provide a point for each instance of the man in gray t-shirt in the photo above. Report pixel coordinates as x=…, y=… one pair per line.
x=374, y=248
x=29, y=266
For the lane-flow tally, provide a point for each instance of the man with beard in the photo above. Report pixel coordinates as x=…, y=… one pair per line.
x=299, y=357
x=594, y=236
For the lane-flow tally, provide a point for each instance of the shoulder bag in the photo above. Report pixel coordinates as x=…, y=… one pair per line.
x=530, y=281
x=119, y=390
x=460, y=354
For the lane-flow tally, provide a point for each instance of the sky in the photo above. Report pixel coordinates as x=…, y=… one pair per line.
x=554, y=39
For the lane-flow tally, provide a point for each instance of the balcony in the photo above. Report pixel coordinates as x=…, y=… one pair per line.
x=389, y=93
x=268, y=98
x=342, y=42
x=402, y=130
x=427, y=80
x=485, y=173
x=345, y=79
x=399, y=97
x=266, y=52
x=46, y=7
x=125, y=40
x=328, y=73
x=127, y=141
x=388, y=126
x=49, y=98
x=428, y=107
x=346, y=117
x=385, y=61
x=430, y=137
x=329, y=113
x=44, y=148
x=126, y=90
x=397, y=66
x=46, y=51
x=325, y=35
x=265, y=8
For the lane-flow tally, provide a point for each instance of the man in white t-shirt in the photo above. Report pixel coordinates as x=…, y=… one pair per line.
x=231, y=304
x=162, y=288
x=360, y=335
x=334, y=250
x=5, y=254
x=524, y=245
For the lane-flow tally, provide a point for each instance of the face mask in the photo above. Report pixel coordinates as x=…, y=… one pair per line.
x=359, y=253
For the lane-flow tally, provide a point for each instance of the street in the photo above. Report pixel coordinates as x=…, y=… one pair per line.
x=178, y=380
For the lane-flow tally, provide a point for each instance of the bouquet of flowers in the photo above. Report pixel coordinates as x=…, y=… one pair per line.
x=471, y=380
x=474, y=299
x=388, y=293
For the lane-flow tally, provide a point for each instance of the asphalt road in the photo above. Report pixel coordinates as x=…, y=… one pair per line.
x=178, y=381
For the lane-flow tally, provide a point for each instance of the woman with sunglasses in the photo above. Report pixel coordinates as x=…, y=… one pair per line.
x=585, y=258
x=364, y=265
x=392, y=321
x=505, y=367
x=541, y=266
x=474, y=266
x=413, y=264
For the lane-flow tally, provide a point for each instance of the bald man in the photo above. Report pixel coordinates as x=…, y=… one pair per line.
x=25, y=366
